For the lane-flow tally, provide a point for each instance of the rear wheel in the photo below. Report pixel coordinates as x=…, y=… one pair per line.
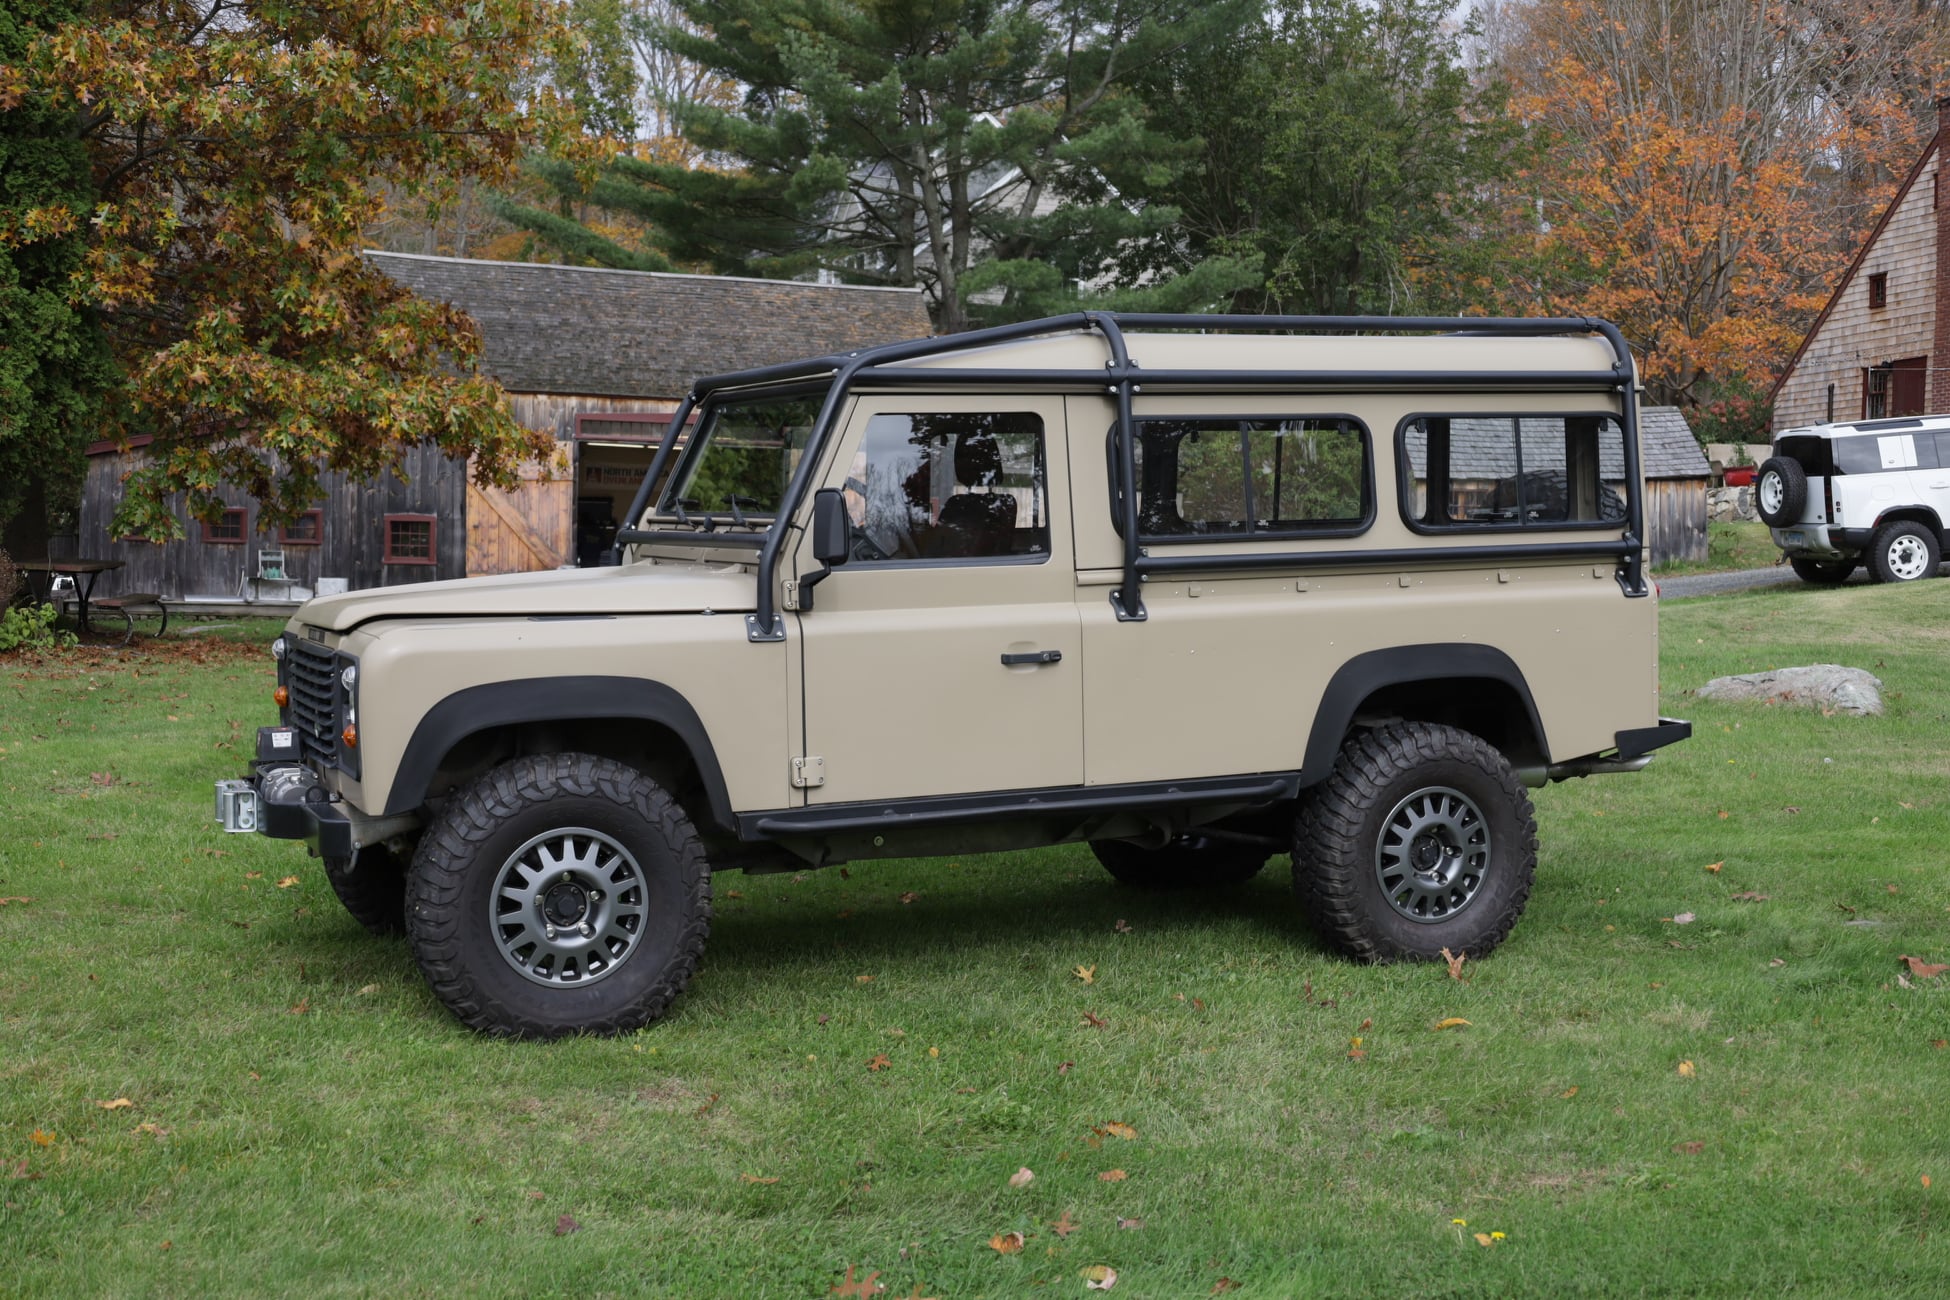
x=559, y=894
x=1420, y=839
x=1781, y=491
x=1903, y=551
x=1822, y=572
x=1191, y=861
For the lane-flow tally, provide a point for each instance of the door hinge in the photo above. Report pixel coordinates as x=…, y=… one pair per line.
x=791, y=600
x=808, y=772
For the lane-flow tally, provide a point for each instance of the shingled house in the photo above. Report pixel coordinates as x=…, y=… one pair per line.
x=597, y=358
x=1881, y=346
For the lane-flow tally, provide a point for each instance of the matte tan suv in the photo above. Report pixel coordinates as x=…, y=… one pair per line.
x=1192, y=590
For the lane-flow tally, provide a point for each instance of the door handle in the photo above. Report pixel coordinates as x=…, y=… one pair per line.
x=1032, y=657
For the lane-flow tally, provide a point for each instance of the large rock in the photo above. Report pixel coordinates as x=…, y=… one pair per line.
x=1822, y=686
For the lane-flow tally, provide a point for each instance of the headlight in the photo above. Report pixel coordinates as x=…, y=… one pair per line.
x=349, y=678
x=277, y=649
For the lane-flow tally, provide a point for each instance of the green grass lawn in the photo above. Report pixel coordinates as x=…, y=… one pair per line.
x=1730, y=547
x=1749, y=1103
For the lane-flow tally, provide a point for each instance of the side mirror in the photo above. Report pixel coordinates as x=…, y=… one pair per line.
x=832, y=529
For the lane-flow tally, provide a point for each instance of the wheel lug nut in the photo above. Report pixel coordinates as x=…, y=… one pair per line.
x=565, y=877
x=595, y=895
x=549, y=930
x=586, y=930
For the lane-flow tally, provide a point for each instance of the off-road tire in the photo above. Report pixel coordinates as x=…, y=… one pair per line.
x=1903, y=550
x=1780, y=491
x=1376, y=779
x=373, y=888
x=1191, y=861
x=1823, y=573
x=460, y=867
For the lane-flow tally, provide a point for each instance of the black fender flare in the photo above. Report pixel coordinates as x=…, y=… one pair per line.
x=1360, y=677
x=552, y=699
x=1920, y=514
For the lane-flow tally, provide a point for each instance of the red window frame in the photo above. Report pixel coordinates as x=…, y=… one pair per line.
x=214, y=537
x=393, y=556
x=316, y=518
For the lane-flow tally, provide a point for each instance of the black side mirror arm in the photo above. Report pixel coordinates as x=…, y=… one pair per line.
x=832, y=530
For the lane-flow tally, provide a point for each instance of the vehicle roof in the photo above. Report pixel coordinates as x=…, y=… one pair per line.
x=1853, y=428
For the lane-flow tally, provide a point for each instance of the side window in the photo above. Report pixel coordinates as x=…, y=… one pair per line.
x=1559, y=471
x=949, y=487
x=1209, y=477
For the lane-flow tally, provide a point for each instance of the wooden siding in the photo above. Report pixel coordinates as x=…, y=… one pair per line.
x=353, y=546
x=555, y=413
x=1852, y=336
x=1675, y=519
x=529, y=528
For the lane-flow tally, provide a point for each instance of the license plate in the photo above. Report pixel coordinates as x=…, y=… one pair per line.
x=237, y=807
x=1794, y=537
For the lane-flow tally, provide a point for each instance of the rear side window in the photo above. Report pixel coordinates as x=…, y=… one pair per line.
x=1515, y=471
x=1213, y=477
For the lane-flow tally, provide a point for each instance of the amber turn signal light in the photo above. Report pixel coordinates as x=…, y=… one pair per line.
x=350, y=737
x=281, y=697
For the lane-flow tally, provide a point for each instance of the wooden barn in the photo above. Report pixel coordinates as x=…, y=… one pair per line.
x=597, y=358
x=1677, y=476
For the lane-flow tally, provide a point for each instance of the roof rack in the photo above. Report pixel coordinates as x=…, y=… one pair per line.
x=887, y=365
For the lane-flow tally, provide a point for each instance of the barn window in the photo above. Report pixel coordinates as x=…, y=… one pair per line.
x=1879, y=289
x=410, y=539
x=307, y=529
x=229, y=528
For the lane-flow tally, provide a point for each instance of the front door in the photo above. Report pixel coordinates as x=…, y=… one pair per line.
x=944, y=657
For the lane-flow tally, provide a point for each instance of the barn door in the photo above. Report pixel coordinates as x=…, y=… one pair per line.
x=523, y=530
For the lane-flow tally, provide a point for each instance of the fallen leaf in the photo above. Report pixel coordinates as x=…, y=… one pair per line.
x=1686, y=1070
x=1484, y=1238
x=120, y=1103
x=879, y=1062
x=5, y=901
x=1223, y=1285
x=1098, y=1277
x=1132, y=1225
x=1064, y=1226
x=1066, y=1067
x=1751, y=896
x=1117, y=1130
x=566, y=1225
x=1688, y=1148
x=1714, y=867
x=534, y=1196
x=1923, y=970
x=1088, y=974
x=705, y=1109
x=1006, y=1243
x=734, y=893
x=863, y=979
x=1724, y=814
x=1455, y=961
x=754, y=1178
x=153, y=1130
x=934, y=1052
x=1892, y=888
x=304, y=1005
x=1940, y=1043
x=1569, y=1092
x=102, y=778
x=1354, y=1052
x=1113, y=1176
x=910, y=896
x=1093, y=1020
x=1122, y=926
x=864, y=1287
x=1198, y=1004
x=1453, y=1022
x=288, y=882
x=1926, y=1180
x=366, y=989
x=1684, y=918
x=1022, y=1177
x=1776, y=961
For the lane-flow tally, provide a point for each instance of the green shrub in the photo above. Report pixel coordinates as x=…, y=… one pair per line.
x=31, y=627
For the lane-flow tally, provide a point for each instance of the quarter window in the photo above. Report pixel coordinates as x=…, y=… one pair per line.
x=1512, y=471
x=949, y=487
x=1211, y=477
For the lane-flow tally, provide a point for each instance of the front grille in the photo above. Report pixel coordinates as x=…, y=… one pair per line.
x=311, y=675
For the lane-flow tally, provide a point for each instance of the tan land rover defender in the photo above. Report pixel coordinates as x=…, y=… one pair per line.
x=1195, y=591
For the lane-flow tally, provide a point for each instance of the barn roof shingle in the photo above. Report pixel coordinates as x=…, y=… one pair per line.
x=603, y=332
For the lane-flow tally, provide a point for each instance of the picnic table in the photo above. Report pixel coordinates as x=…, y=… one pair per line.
x=84, y=573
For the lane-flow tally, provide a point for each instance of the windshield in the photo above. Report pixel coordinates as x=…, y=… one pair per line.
x=741, y=460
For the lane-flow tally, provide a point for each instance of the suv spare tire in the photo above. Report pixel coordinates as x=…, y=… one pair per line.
x=1781, y=491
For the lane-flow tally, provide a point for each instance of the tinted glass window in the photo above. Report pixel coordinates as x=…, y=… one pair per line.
x=1513, y=471
x=1217, y=477
x=949, y=487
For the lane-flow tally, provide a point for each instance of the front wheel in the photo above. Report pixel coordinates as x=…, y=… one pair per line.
x=559, y=894
x=1823, y=573
x=373, y=888
x=1191, y=861
x=1420, y=839
x=1903, y=551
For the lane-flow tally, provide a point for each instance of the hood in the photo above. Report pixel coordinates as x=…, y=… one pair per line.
x=644, y=588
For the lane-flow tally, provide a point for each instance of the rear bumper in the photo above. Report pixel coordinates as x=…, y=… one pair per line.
x=1643, y=740
x=1821, y=541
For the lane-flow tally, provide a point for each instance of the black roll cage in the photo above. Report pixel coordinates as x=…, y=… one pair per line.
x=882, y=366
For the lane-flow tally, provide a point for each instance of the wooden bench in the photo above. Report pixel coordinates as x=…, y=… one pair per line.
x=133, y=600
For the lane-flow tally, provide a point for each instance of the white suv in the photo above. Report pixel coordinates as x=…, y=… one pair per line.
x=1875, y=492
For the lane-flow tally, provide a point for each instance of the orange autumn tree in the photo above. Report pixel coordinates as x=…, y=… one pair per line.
x=1707, y=167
